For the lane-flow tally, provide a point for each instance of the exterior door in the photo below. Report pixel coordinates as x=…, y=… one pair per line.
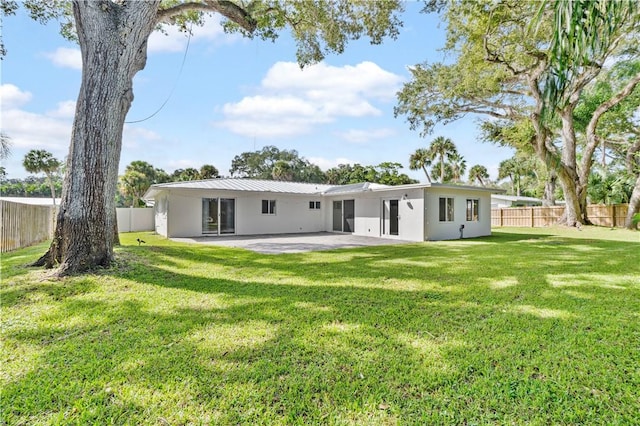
x=344, y=215
x=227, y=216
x=349, y=215
x=337, y=216
x=390, y=217
x=210, y=216
x=218, y=216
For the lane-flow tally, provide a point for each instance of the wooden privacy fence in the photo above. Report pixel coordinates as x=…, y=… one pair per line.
x=600, y=215
x=24, y=224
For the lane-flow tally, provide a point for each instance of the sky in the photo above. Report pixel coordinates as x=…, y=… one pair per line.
x=234, y=95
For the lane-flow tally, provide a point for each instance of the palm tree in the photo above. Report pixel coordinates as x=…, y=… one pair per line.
x=41, y=161
x=134, y=184
x=514, y=168
x=478, y=173
x=421, y=159
x=442, y=148
x=458, y=166
x=5, y=146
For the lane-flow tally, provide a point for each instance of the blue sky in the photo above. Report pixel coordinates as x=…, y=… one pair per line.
x=234, y=95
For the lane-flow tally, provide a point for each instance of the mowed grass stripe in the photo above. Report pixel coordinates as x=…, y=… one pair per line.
x=528, y=326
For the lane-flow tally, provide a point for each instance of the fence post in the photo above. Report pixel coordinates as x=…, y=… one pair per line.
x=501, y=217
x=532, y=218
x=613, y=215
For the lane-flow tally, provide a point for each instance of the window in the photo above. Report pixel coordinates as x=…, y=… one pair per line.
x=446, y=209
x=268, y=206
x=314, y=205
x=472, y=210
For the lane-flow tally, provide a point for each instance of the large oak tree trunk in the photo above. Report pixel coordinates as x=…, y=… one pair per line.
x=113, y=40
x=634, y=205
x=549, y=198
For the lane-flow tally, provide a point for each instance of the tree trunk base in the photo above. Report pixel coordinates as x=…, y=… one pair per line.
x=66, y=267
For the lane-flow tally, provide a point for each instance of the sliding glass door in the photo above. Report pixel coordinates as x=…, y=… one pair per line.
x=218, y=216
x=344, y=215
x=227, y=216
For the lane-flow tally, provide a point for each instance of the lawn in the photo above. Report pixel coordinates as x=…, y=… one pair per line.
x=529, y=326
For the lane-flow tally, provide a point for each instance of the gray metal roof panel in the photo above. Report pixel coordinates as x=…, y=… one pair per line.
x=252, y=185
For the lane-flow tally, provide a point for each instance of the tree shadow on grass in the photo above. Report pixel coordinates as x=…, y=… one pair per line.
x=411, y=334
x=262, y=353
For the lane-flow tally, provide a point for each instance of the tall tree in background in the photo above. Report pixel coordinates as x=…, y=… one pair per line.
x=458, y=166
x=442, y=149
x=208, y=171
x=137, y=178
x=134, y=184
x=5, y=146
x=387, y=173
x=501, y=71
x=262, y=165
x=515, y=169
x=282, y=170
x=113, y=38
x=41, y=161
x=5, y=151
x=478, y=173
x=421, y=160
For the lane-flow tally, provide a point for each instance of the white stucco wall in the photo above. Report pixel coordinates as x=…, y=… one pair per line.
x=135, y=219
x=418, y=211
x=436, y=230
x=292, y=213
x=161, y=212
x=368, y=213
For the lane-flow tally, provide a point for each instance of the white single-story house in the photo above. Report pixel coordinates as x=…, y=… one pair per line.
x=499, y=201
x=416, y=212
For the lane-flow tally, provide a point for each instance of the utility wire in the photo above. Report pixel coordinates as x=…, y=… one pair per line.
x=184, y=59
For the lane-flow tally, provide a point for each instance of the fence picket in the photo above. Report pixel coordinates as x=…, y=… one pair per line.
x=599, y=215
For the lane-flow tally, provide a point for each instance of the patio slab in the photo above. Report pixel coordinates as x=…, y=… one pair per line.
x=292, y=243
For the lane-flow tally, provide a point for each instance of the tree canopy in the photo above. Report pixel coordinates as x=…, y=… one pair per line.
x=501, y=69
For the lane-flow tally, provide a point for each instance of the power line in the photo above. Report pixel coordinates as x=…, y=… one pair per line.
x=184, y=59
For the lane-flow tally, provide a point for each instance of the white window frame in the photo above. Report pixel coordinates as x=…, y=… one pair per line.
x=314, y=205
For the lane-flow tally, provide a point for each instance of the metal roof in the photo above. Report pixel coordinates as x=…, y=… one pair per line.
x=251, y=185
x=255, y=185
x=515, y=198
x=355, y=187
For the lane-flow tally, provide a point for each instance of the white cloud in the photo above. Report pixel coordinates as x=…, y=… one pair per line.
x=327, y=163
x=291, y=101
x=174, y=40
x=65, y=109
x=12, y=97
x=66, y=57
x=133, y=137
x=322, y=81
x=31, y=130
x=364, y=136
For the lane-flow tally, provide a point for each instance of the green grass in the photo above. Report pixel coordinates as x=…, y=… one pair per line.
x=529, y=326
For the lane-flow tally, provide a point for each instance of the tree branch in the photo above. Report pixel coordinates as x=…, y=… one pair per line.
x=226, y=8
x=591, y=131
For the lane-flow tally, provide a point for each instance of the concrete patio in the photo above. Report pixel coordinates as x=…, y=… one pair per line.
x=292, y=243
